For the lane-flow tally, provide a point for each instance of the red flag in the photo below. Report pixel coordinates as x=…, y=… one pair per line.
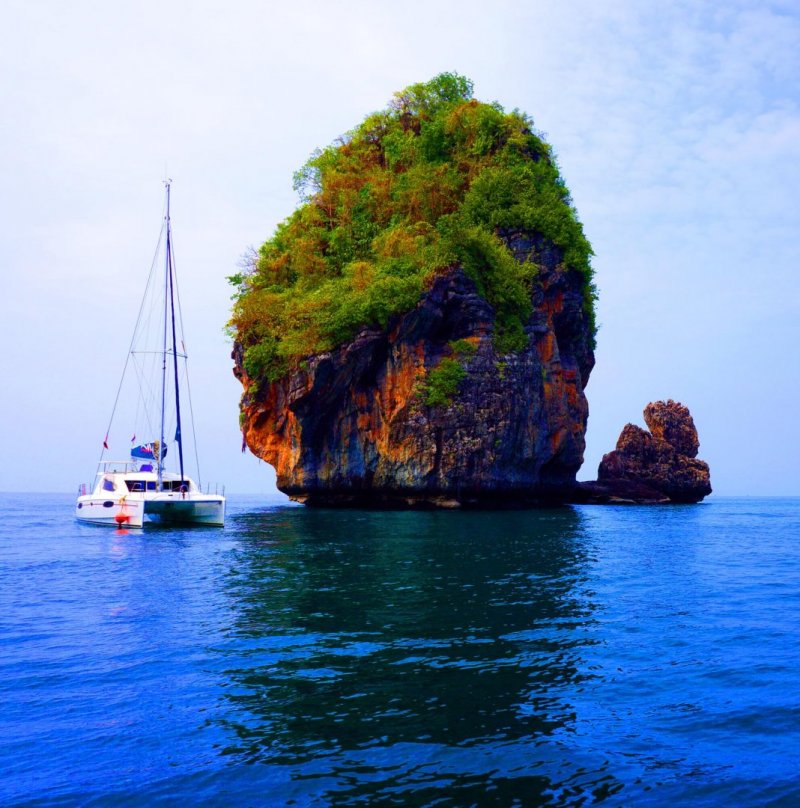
x=133, y=438
x=105, y=442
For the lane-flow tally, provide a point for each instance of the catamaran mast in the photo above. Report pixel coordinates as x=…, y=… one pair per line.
x=161, y=444
x=171, y=274
x=169, y=313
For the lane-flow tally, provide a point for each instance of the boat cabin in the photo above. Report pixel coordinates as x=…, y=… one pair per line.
x=117, y=476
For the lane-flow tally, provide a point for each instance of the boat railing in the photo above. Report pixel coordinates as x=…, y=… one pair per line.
x=218, y=489
x=124, y=466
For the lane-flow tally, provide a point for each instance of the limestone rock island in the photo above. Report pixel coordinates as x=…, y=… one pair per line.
x=655, y=466
x=420, y=331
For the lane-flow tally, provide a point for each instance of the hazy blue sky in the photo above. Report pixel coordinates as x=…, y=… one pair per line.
x=676, y=125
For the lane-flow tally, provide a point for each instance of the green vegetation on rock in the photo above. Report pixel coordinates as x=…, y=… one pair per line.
x=442, y=382
x=427, y=184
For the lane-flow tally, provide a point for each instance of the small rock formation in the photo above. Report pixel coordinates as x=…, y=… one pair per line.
x=659, y=466
x=352, y=427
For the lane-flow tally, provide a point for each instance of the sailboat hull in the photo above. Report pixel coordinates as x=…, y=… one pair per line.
x=111, y=512
x=139, y=507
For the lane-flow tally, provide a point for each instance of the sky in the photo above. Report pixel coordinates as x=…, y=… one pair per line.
x=677, y=130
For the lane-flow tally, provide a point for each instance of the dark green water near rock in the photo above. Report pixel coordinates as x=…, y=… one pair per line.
x=568, y=657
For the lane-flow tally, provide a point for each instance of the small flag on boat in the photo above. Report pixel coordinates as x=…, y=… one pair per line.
x=133, y=439
x=105, y=442
x=147, y=451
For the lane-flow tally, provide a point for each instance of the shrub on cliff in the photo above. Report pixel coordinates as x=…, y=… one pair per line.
x=424, y=185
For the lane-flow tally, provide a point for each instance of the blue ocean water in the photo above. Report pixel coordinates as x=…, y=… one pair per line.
x=573, y=656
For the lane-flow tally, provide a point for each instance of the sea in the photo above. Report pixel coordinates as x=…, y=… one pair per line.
x=578, y=655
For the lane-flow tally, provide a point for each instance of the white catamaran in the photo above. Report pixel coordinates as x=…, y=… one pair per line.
x=140, y=489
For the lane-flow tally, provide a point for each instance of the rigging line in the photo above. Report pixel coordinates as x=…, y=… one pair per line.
x=158, y=353
x=133, y=340
x=191, y=418
x=139, y=404
x=180, y=307
x=147, y=397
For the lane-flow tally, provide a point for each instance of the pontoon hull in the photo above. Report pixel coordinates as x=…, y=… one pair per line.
x=111, y=512
x=191, y=511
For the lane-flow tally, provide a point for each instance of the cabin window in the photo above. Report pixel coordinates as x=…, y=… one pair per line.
x=175, y=485
x=151, y=485
x=135, y=485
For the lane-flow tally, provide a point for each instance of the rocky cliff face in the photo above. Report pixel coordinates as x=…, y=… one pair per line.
x=656, y=466
x=352, y=427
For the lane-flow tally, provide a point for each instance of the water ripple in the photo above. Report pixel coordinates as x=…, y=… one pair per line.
x=566, y=657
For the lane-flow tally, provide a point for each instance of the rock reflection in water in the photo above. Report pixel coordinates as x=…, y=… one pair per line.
x=422, y=650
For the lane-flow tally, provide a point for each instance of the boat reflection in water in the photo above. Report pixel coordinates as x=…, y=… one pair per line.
x=422, y=654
